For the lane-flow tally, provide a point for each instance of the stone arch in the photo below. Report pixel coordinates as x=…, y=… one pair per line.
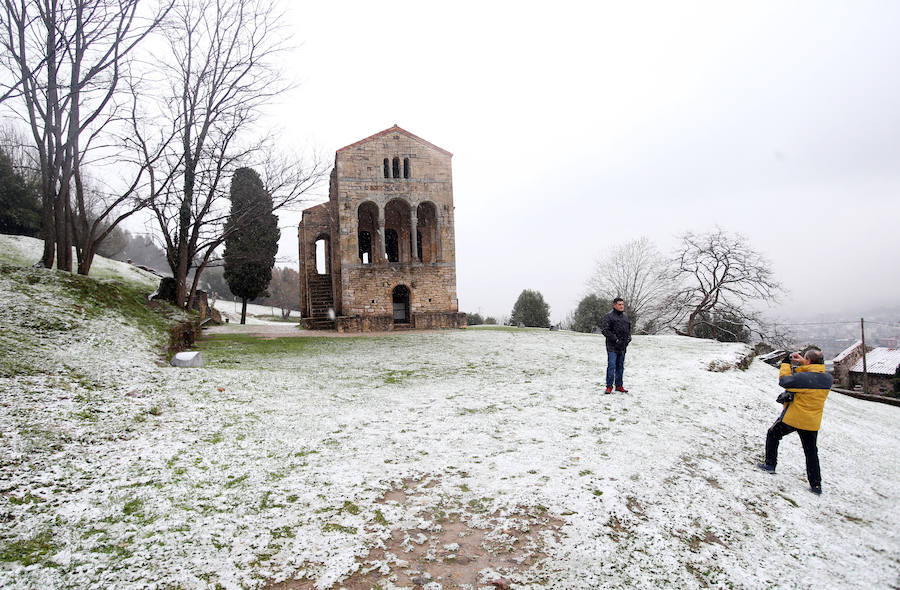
x=400, y=299
x=427, y=232
x=397, y=230
x=367, y=228
x=322, y=246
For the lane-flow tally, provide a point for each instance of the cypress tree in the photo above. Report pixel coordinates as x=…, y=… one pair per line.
x=251, y=241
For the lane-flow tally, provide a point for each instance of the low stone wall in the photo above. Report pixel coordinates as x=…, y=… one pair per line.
x=432, y=320
x=428, y=320
x=872, y=398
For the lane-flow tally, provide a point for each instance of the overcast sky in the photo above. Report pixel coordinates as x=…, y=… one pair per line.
x=578, y=126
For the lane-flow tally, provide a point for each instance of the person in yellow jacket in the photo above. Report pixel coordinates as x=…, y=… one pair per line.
x=809, y=384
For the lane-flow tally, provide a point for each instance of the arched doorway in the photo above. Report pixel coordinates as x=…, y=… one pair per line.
x=400, y=298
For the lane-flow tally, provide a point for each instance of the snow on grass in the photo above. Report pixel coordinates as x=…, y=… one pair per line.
x=25, y=251
x=273, y=461
x=256, y=314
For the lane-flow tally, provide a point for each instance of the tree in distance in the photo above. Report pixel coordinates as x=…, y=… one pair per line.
x=634, y=271
x=590, y=312
x=20, y=201
x=284, y=291
x=530, y=310
x=718, y=275
x=251, y=241
x=474, y=319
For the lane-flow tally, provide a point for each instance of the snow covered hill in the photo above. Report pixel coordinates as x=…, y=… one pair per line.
x=444, y=459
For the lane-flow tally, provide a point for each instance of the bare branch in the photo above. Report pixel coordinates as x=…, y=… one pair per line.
x=717, y=273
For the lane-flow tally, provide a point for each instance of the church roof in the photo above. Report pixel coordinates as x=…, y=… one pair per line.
x=396, y=129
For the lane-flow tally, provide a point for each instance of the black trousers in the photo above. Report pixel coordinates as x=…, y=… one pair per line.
x=807, y=438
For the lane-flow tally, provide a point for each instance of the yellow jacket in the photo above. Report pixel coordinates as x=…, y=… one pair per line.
x=810, y=385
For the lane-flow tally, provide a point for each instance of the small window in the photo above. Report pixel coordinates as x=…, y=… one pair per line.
x=387, y=168
x=405, y=167
x=396, y=167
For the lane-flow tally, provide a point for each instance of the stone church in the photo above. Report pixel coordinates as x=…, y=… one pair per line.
x=380, y=253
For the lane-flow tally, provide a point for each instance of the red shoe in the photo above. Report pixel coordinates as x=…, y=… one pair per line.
x=621, y=389
x=609, y=390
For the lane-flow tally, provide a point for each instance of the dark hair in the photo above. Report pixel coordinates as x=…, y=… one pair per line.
x=815, y=356
x=618, y=299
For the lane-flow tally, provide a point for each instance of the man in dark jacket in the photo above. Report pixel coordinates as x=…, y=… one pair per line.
x=617, y=328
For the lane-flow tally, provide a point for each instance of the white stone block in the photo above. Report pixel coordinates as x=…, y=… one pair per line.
x=187, y=359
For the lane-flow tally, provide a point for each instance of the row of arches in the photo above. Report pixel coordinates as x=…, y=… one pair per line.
x=392, y=167
x=400, y=232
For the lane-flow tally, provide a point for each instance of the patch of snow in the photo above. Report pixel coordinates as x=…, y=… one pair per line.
x=244, y=474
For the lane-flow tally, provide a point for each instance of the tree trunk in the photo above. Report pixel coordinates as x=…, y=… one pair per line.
x=243, y=310
x=48, y=231
x=689, y=330
x=63, y=233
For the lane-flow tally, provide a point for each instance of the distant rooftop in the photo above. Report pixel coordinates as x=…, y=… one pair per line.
x=842, y=355
x=879, y=361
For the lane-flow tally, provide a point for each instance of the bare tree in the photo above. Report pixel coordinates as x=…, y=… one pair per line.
x=65, y=60
x=219, y=73
x=718, y=275
x=634, y=271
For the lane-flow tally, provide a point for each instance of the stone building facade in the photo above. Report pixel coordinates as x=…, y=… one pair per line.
x=380, y=253
x=881, y=366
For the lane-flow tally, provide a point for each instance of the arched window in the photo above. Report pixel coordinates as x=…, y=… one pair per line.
x=426, y=232
x=405, y=167
x=396, y=167
x=322, y=256
x=366, y=228
x=387, y=168
x=392, y=245
x=398, y=231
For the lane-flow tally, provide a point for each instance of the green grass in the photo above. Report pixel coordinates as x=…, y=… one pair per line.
x=228, y=350
x=29, y=551
x=332, y=527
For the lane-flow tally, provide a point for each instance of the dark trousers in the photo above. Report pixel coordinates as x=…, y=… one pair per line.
x=615, y=367
x=807, y=438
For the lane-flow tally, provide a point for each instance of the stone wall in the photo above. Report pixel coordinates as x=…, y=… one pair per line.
x=385, y=323
x=842, y=367
x=316, y=222
x=879, y=384
x=368, y=290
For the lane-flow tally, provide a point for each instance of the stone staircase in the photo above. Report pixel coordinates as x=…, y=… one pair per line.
x=321, y=300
